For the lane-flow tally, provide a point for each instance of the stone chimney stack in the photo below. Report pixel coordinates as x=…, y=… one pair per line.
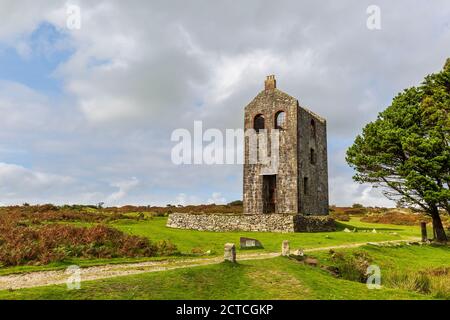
x=270, y=83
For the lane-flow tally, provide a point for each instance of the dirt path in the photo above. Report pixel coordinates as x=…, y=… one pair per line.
x=43, y=278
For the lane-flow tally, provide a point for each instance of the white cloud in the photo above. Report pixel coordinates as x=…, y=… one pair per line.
x=141, y=69
x=17, y=182
x=125, y=187
x=217, y=198
x=21, y=107
x=345, y=192
x=184, y=199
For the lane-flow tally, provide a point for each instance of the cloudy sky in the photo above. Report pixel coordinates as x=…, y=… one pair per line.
x=86, y=115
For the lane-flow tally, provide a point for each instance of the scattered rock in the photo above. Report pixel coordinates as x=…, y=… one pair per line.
x=311, y=262
x=298, y=252
x=374, y=231
x=346, y=230
x=355, y=230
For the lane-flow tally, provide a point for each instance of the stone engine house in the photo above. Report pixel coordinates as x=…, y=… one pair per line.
x=300, y=184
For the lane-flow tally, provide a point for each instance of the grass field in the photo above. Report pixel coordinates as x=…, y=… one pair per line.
x=187, y=240
x=408, y=272
x=277, y=278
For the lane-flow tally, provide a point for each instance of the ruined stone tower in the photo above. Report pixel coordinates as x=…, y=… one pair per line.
x=300, y=183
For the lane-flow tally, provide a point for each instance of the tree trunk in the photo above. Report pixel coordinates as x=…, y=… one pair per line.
x=438, y=228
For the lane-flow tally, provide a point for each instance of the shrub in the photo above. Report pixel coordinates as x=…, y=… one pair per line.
x=395, y=217
x=21, y=245
x=166, y=248
x=410, y=281
x=440, y=287
x=340, y=216
x=197, y=251
x=50, y=213
x=353, y=266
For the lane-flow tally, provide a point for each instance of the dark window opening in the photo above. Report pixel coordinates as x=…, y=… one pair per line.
x=280, y=120
x=258, y=123
x=305, y=186
x=269, y=193
x=313, y=129
x=312, y=156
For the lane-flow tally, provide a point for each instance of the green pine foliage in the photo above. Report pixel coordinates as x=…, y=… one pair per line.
x=406, y=149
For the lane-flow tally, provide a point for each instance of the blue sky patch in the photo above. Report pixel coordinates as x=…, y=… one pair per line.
x=48, y=49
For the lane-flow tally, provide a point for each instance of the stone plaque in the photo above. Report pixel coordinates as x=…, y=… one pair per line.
x=249, y=243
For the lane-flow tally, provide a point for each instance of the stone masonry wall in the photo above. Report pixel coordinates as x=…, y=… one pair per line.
x=302, y=175
x=251, y=222
x=268, y=103
x=312, y=138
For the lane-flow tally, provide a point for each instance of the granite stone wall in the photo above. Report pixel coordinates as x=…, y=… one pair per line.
x=251, y=222
x=268, y=103
x=312, y=163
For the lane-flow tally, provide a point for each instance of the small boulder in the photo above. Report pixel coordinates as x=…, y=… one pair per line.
x=298, y=252
x=311, y=262
x=246, y=243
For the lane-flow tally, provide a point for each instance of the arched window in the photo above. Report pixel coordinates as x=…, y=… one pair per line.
x=313, y=129
x=258, y=123
x=280, y=120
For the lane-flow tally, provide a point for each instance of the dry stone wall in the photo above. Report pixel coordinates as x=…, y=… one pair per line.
x=251, y=222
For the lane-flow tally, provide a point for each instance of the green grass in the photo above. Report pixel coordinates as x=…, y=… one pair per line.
x=405, y=258
x=413, y=268
x=278, y=278
x=155, y=229
x=185, y=240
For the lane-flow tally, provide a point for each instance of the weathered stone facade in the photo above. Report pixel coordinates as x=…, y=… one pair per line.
x=251, y=222
x=300, y=185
